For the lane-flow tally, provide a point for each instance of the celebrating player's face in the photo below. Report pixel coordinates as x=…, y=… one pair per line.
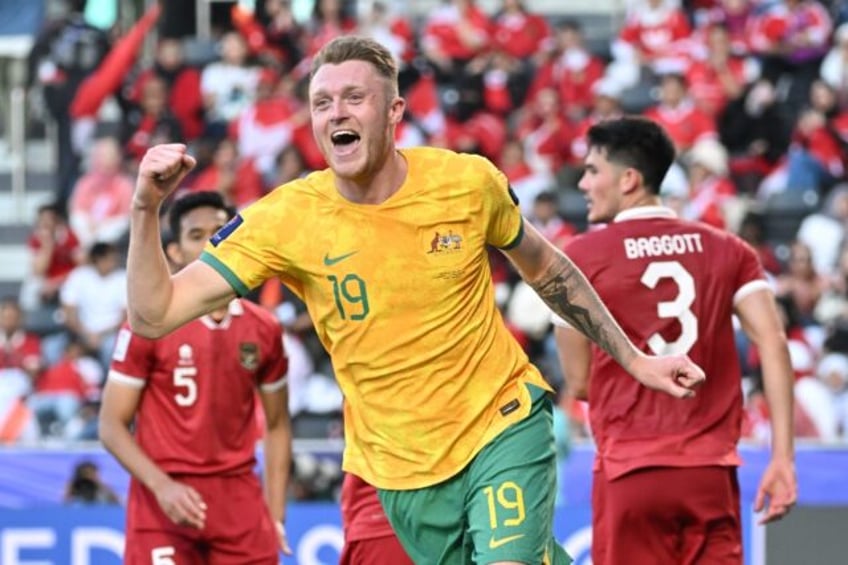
x=353, y=117
x=196, y=227
x=600, y=183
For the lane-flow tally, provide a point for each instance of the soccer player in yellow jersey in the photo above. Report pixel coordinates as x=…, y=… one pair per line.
x=443, y=414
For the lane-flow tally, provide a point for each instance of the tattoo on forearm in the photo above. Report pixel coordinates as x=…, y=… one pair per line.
x=569, y=294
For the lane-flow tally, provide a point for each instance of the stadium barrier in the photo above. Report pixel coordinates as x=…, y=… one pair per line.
x=35, y=528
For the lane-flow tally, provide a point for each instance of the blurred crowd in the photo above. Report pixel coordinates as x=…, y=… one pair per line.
x=754, y=93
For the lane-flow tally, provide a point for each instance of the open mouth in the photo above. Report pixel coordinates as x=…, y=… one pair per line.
x=344, y=138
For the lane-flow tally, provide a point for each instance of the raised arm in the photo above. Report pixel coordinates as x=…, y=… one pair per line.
x=761, y=322
x=157, y=301
x=565, y=289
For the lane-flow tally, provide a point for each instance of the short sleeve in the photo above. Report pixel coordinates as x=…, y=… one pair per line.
x=750, y=275
x=243, y=250
x=504, y=224
x=132, y=358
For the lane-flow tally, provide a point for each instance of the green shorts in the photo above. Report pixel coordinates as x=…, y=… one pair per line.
x=499, y=508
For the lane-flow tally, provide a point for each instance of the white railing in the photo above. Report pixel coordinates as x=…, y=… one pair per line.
x=14, y=50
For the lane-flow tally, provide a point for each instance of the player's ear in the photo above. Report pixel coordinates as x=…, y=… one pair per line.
x=172, y=250
x=396, y=109
x=630, y=180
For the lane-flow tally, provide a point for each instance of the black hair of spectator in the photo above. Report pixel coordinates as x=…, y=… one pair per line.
x=182, y=206
x=570, y=24
x=347, y=11
x=787, y=305
x=547, y=197
x=100, y=250
x=635, y=142
x=77, y=6
x=53, y=207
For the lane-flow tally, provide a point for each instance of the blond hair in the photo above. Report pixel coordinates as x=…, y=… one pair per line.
x=358, y=48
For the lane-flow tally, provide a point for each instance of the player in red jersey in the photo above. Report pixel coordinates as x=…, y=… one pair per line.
x=665, y=484
x=194, y=497
x=369, y=538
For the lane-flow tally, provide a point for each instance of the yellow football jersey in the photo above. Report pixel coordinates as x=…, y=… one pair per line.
x=402, y=298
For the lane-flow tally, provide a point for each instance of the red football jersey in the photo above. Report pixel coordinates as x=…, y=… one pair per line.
x=362, y=514
x=197, y=411
x=672, y=285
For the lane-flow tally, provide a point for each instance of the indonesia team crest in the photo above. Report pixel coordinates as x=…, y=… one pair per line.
x=249, y=355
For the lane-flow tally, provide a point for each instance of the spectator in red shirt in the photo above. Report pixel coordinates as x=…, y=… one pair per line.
x=392, y=30
x=718, y=76
x=546, y=218
x=273, y=34
x=525, y=182
x=733, y=15
x=265, y=127
x=152, y=121
x=454, y=34
x=182, y=84
x=100, y=204
x=330, y=19
x=710, y=189
x=20, y=350
x=678, y=115
x=816, y=157
x=20, y=362
x=546, y=133
x=791, y=37
x=570, y=69
x=654, y=36
x=606, y=104
x=54, y=252
x=235, y=178
x=518, y=31
x=60, y=391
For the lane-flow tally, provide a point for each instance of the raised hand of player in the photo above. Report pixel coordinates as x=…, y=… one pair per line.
x=676, y=375
x=182, y=504
x=161, y=171
x=778, y=490
x=283, y=539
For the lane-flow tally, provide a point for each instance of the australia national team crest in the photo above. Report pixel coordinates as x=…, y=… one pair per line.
x=445, y=241
x=249, y=355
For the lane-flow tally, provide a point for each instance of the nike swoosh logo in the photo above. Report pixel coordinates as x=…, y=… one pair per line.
x=495, y=543
x=330, y=261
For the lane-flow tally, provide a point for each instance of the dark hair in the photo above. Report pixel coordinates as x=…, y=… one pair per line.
x=547, y=197
x=53, y=208
x=635, y=142
x=357, y=48
x=100, y=250
x=182, y=206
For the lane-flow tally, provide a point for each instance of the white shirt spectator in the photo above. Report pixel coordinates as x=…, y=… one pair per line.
x=100, y=301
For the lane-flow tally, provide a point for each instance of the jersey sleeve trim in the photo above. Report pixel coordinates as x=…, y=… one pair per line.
x=124, y=379
x=238, y=286
x=275, y=386
x=749, y=288
x=517, y=239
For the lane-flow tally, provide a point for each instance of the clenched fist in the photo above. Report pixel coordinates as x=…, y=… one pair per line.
x=161, y=171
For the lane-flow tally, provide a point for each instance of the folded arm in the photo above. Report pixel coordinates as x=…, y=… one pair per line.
x=566, y=291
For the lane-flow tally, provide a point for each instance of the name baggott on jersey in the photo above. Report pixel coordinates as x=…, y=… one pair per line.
x=655, y=246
